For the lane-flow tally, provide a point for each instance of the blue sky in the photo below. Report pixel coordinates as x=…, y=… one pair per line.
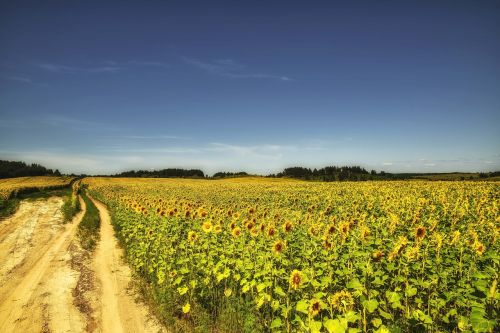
x=390, y=85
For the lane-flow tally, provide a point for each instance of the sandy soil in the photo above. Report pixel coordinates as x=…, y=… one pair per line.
x=120, y=310
x=48, y=283
x=36, y=278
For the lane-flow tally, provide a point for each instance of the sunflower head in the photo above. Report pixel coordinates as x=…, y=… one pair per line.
x=236, y=232
x=207, y=226
x=330, y=229
x=278, y=246
x=271, y=231
x=192, y=236
x=420, y=232
x=314, y=307
x=254, y=232
x=296, y=279
x=217, y=228
x=342, y=301
x=287, y=227
x=344, y=228
x=377, y=255
x=479, y=248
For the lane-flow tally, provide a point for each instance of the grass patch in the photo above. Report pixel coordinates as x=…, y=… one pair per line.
x=9, y=206
x=71, y=206
x=88, y=229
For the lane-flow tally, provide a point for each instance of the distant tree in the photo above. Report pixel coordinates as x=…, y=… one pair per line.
x=9, y=169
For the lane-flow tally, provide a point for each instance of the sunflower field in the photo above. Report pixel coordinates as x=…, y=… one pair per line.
x=10, y=186
x=274, y=255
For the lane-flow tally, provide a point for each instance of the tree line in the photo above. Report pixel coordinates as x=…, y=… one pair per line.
x=10, y=169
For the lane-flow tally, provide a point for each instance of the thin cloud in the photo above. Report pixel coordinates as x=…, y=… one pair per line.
x=23, y=79
x=151, y=137
x=63, y=69
x=149, y=64
x=231, y=69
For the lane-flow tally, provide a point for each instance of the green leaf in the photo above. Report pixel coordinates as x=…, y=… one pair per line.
x=355, y=284
x=370, y=305
x=182, y=290
x=410, y=291
x=302, y=306
x=384, y=314
x=279, y=291
x=334, y=326
x=376, y=322
x=261, y=286
x=276, y=323
x=351, y=317
x=478, y=322
x=315, y=326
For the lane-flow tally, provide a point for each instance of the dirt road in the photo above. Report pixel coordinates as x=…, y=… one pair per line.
x=36, y=279
x=120, y=312
x=48, y=283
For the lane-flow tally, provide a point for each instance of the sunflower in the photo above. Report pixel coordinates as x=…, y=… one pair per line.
x=344, y=228
x=217, y=228
x=455, y=238
x=342, y=301
x=314, y=307
x=278, y=246
x=207, y=226
x=192, y=236
x=377, y=255
x=420, y=233
x=254, y=232
x=296, y=279
x=330, y=229
x=271, y=231
x=365, y=233
x=236, y=232
x=479, y=248
x=314, y=230
x=438, y=238
x=287, y=227
x=327, y=244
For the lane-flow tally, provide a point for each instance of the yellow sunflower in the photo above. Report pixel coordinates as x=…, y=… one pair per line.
x=314, y=307
x=296, y=279
x=207, y=226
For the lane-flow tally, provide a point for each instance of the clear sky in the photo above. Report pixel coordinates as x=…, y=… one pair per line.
x=97, y=87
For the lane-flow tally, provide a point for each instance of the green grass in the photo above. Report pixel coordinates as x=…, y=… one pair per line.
x=70, y=207
x=9, y=207
x=88, y=229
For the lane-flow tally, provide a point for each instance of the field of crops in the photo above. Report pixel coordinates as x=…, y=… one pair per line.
x=248, y=255
x=9, y=186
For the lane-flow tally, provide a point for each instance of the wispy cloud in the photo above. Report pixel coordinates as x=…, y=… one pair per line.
x=104, y=67
x=63, y=69
x=231, y=69
x=151, y=137
x=23, y=79
x=149, y=64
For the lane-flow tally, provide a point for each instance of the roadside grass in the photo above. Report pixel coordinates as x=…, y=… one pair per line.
x=71, y=206
x=88, y=229
x=9, y=207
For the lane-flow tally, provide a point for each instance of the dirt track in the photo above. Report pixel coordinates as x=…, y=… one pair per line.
x=119, y=310
x=48, y=283
x=36, y=277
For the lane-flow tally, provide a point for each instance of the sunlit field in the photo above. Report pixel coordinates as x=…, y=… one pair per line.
x=255, y=254
x=10, y=185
